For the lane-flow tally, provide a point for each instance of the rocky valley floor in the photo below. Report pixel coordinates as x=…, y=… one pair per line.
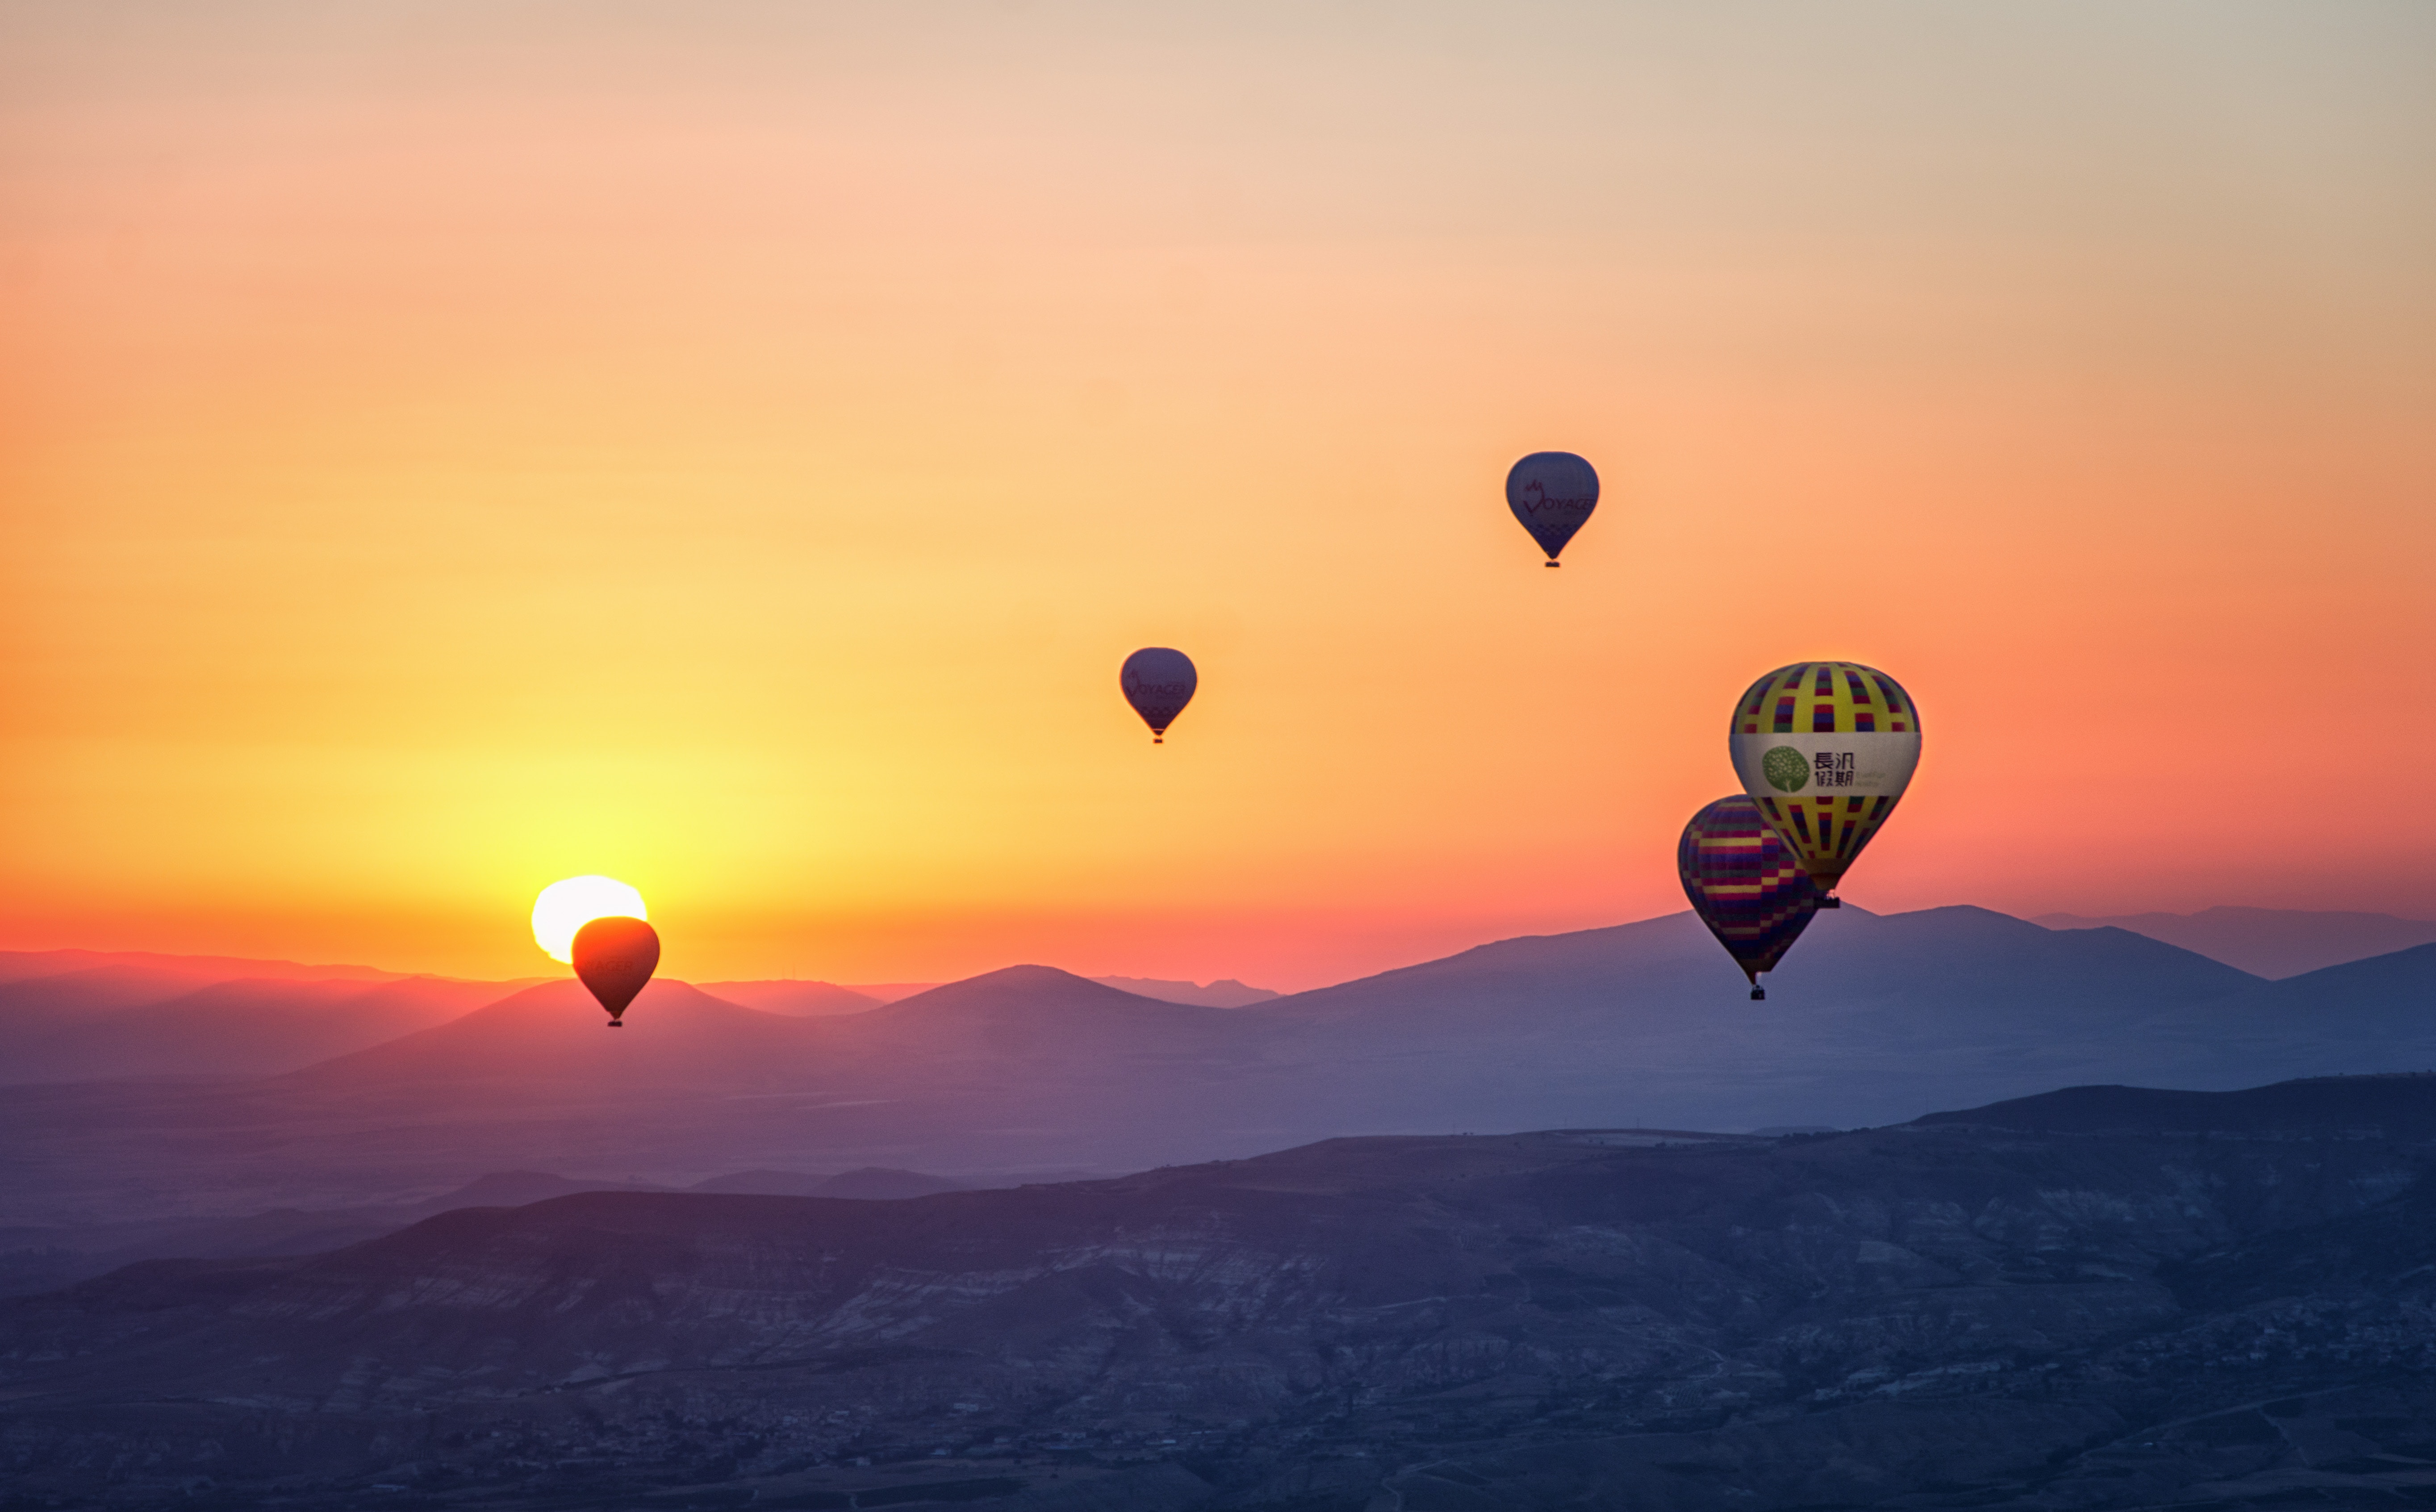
x=2096, y=1300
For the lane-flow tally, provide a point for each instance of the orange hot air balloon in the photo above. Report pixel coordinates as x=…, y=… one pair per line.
x=614, y=956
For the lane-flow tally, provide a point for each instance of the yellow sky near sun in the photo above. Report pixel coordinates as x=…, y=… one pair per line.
x=730, y=447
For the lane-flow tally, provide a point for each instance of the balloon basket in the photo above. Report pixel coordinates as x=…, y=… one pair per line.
x=1158, y=739
x=1830, y=901
x=1759, y=995
x=616, y=1024
x=1552, y=561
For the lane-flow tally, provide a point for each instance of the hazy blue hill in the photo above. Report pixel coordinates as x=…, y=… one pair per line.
x=1029, y=990
x=1873, y=1019
x=49, y=1004
x=1038, y=1067
x=2378, y=1015
x=2274, y=943
x=1956, y=956
x=1542, y=973
x=1035, y=1013
x=1948, y=957
x=138, y=1021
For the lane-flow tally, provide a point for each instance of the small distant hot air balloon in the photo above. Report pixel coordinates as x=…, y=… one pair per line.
x=1552, y=493
x=614, y=956
x=1825, y=749
x=1159, y=683
x=1746, y=887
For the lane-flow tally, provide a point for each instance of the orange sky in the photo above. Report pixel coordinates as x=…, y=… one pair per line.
x=731, y=446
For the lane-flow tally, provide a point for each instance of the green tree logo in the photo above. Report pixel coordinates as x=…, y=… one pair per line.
x=1787, y=770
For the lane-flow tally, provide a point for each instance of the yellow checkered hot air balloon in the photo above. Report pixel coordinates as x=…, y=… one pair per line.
x=1825, y=749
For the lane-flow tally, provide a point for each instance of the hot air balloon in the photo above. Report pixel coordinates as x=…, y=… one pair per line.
x=1744, y=884
x=1825, y=749
x=1552, y=493
x=614, y=956
x=1159, y=683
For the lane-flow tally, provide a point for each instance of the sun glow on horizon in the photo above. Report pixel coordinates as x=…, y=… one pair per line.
x=564, y=906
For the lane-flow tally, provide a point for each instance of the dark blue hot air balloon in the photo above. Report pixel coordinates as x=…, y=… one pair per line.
x=1552, y=493
x=1746, y=883
x=1159, y=683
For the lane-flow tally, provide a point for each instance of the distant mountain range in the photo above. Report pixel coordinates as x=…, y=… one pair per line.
x=88, y=1016
x=2100, y=1300
x=1030, y=1071
x=80, y=1015
x=2271, y=943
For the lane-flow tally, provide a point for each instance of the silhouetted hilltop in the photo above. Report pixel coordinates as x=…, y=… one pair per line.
x=1041, y=1013
x=2368, y=1015
x=890, y=991
x=2273, y=943
x=1872, y=1018
x=1225, y=993
x=1028, y=989
x=2400, y=1106
x=1966, y=1311
x=1956, y=957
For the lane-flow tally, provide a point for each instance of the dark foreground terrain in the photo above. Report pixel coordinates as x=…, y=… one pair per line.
x=2100, y=1298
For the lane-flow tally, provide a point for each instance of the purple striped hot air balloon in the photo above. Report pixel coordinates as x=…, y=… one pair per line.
x=1746, y=883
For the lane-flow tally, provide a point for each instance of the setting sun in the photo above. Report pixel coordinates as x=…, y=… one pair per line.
x=567, y=906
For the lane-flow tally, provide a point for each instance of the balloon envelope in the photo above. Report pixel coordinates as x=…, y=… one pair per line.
x=1825, y=749
x=1159, y=683
x=614, y=956
x=1748, y=888
x=1552, y=493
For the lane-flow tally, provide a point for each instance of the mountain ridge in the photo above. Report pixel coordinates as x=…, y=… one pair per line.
x=2273, y=943
x=1033, y=1069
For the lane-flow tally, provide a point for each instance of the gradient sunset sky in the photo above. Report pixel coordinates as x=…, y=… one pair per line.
x=446, y=448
